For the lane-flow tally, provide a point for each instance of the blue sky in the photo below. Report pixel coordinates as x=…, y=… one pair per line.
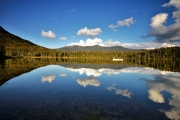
x=128, y=23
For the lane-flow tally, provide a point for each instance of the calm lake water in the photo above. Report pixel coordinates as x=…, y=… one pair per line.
x=81, y=93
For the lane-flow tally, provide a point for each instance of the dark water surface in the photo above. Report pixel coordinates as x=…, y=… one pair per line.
x=56, y=92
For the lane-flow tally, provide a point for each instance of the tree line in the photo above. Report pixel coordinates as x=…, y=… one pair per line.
x=160, y=53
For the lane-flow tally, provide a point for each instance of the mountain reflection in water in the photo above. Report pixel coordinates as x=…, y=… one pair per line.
x=56, y=92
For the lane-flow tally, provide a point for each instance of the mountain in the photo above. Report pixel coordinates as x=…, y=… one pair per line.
x=95, y=48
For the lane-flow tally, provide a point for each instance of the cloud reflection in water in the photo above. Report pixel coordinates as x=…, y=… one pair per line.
x=48, y=78
x=63, y=75
x=169, y=83
x=88, y=71
x=88, y=81
x=161, y=81
x=125, y=92
x=109, y=71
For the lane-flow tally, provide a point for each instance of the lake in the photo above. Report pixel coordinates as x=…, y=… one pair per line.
x=88, y=92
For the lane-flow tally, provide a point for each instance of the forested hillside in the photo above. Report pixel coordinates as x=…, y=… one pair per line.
x=8, y=39
x=14, y=46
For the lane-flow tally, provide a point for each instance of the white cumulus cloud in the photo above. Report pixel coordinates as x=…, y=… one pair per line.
x=110, y=43
x=63, y=38
x=149, y=45
x=48, y=34
x=158, y=20
x=89, y=42
x=166, y=33
x=89, y=32
x=126, y=22
x=175, y=3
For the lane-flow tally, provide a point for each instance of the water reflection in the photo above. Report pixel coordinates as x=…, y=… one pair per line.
x=88, y=81
x=167, y=82
x=48, y=78
x=150, y=71
x=88, y=71
x=125, y=92
x=71, y=96
x=63, y=75
x=161, y=81
x=109, y=71
x=155, y=95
